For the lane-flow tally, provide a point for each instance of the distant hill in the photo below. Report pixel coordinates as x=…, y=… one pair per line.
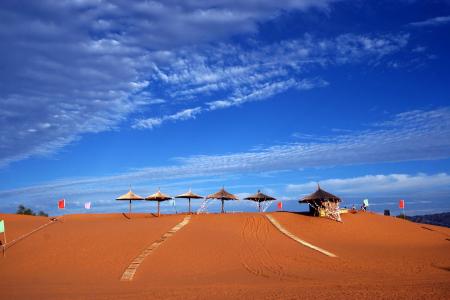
x=441, y=219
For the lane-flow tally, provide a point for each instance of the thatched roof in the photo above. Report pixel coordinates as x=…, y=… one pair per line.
x=158, y=196
x=222, y=195
x=259, y=197
x=320, y=195
x=190, y=195
x=129, y=196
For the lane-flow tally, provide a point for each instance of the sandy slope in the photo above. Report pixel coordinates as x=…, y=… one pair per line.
x=17, y=225
x=229, y=256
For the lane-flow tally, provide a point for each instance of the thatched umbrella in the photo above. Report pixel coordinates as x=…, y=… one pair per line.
x=318, y=198
x=158, y=196
x=189, y=195
x=130, y=196
x=260, y=197
x=222, y=195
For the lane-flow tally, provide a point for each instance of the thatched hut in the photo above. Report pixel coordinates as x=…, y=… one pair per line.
x=319, y=201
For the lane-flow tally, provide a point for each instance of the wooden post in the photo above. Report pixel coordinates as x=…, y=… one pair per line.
x=222, y=206
x=189, y=205
x=129, y=208
x=158, y=207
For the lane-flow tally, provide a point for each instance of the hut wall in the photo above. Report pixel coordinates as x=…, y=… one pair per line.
x=315, y=207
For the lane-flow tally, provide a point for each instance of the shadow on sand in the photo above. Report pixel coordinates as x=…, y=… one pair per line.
x=441, y=268
x=302, y=213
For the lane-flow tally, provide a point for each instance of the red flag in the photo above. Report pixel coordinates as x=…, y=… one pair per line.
x=62, y=203
x=401, y=204
x=280, y=205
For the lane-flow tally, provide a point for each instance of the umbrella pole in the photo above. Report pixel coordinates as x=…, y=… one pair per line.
x=129, y=208
x=259, y=206
x=158, y=208
x=222, y=206
x=189, y=205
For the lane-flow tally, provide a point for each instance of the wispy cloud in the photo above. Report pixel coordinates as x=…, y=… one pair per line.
x=77, y=67
x=436, y=21
x=379, y=185
x=226, y=75
x=267, y=90
x=185, y=114
x=64, y=76
x=413, y=135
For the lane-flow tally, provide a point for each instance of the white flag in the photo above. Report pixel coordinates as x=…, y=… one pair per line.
x=87, y=205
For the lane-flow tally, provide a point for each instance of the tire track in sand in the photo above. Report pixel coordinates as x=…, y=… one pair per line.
x=255, y=254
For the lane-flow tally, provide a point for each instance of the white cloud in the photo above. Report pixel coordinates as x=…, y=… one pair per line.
x=379, y=185
x=414, y=135
x=267, y=90
x=84, y=67
x=226, y=75
x=150, y=123
x=437, y=21
x=89, y=73
x=232, y=68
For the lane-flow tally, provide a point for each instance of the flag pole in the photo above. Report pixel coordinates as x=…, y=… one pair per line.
x=4, y=239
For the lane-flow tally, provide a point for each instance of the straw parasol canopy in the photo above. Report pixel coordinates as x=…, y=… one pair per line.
x=260, y=197
x=130, y=196
x=222, y=195
x=318, y=198
x=189, y=195
x=158, y=196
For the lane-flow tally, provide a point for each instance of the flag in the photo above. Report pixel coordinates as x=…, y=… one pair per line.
x=2, y=226
x=280, y=205
x=87, y=205
x=366, y=202
x=401, y=204
x=62, y=203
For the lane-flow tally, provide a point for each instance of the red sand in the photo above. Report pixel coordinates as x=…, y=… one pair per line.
x=226, y=256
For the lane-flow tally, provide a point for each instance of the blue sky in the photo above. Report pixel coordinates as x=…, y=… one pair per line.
x=274, y=95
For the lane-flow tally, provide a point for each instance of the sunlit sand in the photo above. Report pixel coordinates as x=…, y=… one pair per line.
x=225, y=256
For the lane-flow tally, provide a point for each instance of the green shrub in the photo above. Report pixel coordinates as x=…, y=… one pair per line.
x=22, y=210
x=42, y=214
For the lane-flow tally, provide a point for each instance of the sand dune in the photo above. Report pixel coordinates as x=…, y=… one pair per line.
x=226, y=256
x=18, y=225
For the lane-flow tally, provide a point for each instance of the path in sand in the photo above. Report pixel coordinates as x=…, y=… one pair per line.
x=132, y=268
